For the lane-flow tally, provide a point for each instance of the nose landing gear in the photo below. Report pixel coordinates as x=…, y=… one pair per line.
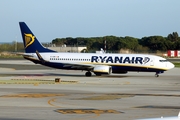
x=156, y=75
x=159, y=72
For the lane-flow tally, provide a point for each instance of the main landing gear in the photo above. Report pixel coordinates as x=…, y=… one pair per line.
x=88, y=74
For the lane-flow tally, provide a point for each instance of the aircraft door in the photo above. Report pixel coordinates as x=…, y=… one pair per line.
x=152, y=62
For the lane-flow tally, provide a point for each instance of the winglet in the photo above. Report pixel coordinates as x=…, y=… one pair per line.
x=40, y=57
x=179, y=115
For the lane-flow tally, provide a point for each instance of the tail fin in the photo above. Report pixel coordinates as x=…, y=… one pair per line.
x=31, y=44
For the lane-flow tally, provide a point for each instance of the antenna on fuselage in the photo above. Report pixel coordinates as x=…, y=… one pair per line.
x=105, y=46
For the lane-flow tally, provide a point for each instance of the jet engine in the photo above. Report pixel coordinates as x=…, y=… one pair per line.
x=98, y=70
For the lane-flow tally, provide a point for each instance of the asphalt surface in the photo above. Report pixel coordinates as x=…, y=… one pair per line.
x=113, y=97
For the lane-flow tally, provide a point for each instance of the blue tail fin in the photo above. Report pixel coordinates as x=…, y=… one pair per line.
x=31, y=44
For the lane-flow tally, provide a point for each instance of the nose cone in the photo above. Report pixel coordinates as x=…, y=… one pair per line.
x=170, y=65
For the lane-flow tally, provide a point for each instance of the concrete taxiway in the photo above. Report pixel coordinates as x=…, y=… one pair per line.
x=116, y=97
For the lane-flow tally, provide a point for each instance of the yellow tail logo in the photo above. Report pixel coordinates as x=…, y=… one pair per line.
x=29, y=39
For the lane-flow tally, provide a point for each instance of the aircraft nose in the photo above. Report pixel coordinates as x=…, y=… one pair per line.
x=170, y=65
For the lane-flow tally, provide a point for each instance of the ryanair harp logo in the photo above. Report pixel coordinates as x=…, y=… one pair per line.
x=29, y=39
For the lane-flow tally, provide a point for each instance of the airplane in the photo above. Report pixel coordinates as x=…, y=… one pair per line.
x=164, y=118
x=98, y=64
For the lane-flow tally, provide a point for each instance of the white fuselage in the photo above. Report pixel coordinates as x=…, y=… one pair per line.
x=118, y=60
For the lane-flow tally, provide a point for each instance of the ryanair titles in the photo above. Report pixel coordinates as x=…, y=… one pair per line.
x=116, y=59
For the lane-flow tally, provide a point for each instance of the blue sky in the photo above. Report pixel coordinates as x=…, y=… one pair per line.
x=50, y=19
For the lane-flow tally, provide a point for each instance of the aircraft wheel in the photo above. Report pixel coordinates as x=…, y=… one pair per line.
x=156, y=75
x=88, y=74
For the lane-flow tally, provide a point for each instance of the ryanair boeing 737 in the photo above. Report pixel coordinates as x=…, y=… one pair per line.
x=91, y=62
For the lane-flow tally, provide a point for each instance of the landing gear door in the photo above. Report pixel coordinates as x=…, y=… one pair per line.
x=152, y=62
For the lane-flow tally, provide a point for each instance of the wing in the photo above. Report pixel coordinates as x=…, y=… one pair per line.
x=75, y=66
x=78, y=66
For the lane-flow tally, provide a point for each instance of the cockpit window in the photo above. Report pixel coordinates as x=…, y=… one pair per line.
x=163, y=60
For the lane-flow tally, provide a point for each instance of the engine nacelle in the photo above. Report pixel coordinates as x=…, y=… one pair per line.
x=102, y=70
